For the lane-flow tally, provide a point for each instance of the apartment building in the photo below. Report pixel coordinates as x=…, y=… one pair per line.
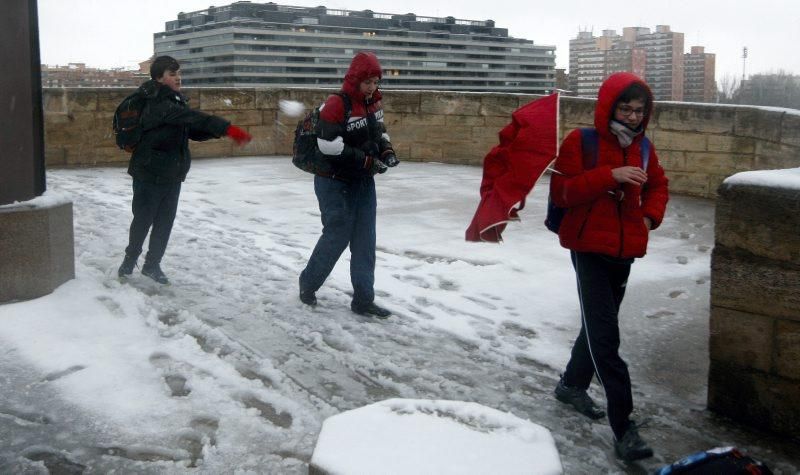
x=664, y=51
x=656, y=56
x=699, y=84
x=592, y=59
x=265, y=44
x=78, y=75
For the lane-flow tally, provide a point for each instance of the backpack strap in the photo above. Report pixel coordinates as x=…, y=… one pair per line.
x=645, y=151
x=589, y=140
x=348, y=106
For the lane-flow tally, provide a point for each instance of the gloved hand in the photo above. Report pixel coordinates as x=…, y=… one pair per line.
x=378, y=166
x=390, y=159
x=371, y=149
x=240, y=136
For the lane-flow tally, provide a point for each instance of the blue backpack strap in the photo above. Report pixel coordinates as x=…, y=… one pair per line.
x=645, y=151
x=589, y=141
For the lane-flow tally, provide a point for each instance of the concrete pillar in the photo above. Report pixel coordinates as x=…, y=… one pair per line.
x=754, y=375
x=36, y=240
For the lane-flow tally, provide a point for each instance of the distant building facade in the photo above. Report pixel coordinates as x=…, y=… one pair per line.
x=657, y=57
x=596, y=58
x=78, y=75
x=265, y=44
x=664, y=70
x=699, y=83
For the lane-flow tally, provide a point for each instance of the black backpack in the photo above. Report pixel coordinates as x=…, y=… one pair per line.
x=127, y=121
x=589, y=144
x=305, y=152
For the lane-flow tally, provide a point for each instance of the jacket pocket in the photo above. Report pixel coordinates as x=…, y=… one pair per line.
x=584, y=221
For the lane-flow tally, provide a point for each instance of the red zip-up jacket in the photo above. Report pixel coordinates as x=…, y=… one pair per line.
x=596, y=221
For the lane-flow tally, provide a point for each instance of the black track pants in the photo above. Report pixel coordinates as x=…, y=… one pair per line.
x=601, y=287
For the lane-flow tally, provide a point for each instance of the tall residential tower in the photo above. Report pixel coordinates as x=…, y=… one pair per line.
x=655, y=56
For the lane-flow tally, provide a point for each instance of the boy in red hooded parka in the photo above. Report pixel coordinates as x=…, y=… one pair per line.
x=357, y=150
x=612, y=208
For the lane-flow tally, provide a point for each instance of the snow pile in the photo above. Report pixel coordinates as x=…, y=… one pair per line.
x=402, y=436
x=787, y=178
x=48, y=199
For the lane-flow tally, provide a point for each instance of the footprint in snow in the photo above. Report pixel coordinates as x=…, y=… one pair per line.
x=267, y=411
x=660, y=314
x=60, y=374
x=55, y=462
x=177, y=385
x=676, y=293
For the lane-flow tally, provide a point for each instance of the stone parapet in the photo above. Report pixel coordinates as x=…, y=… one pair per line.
x=754, y=345
x=699, y=144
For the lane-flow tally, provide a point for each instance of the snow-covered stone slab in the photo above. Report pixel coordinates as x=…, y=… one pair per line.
x=403, y=436
x=785, y=179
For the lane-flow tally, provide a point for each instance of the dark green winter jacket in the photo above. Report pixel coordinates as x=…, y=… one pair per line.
x=162, y=154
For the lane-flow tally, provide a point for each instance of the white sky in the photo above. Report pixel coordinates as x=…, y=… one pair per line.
x=108, y=33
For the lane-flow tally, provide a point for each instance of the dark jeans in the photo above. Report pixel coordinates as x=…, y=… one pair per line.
x=601, y=287
x=153, y=205
x=348, y=217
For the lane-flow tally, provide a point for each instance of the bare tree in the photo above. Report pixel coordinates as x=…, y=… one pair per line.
x=728, y=89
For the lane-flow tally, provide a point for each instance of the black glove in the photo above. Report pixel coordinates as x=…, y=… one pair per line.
x=390, y=159
x=371, y=148
x=378, y=166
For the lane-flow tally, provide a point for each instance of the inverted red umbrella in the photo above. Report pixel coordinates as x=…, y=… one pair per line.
x=527, y=145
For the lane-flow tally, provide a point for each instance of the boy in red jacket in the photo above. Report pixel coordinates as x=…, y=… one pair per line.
x=612, y=208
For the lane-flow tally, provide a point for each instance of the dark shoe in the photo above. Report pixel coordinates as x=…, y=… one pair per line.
x=579, y=399
x=308, y=297
x=126, y=268
x=154, y=272
x=631, y=446
x=370, y=309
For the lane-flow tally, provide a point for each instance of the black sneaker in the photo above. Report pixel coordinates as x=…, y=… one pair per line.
x=154, y=272
x=308, y=297
x=370, y=309
x=579, y=399
x=126, y=268
x=631, y=446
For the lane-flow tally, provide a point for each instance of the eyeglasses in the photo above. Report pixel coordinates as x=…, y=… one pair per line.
x=628, y=111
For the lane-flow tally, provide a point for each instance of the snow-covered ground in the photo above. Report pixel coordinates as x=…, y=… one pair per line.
x=226, y=371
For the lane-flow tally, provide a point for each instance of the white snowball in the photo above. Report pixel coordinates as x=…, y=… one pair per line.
x=291, y=108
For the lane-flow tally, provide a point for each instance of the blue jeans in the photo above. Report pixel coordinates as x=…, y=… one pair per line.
x=154, y=205
x=348, y=217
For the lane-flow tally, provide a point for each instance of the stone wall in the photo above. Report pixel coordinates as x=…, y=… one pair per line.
x=754, y=374
x=698, y=144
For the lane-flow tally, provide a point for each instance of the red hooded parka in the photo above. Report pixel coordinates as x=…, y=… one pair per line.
x=596, y=221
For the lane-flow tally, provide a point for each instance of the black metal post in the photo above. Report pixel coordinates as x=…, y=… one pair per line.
x=21, y=116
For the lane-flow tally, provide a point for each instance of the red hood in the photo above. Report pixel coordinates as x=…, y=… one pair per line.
x=363, y=66
x=609, y=92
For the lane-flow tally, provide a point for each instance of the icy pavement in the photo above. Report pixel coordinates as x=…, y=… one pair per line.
x=225, y=370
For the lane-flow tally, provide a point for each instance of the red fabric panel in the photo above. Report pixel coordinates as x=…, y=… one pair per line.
x=527, y=145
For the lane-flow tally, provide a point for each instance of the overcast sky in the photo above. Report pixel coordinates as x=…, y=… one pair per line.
x=114, y=33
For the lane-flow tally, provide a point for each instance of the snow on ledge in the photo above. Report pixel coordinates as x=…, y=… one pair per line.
x=402, y=436
x=787, y=178
x=48, y=199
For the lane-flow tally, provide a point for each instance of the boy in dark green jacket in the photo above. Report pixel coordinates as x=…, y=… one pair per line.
x=161, y=160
